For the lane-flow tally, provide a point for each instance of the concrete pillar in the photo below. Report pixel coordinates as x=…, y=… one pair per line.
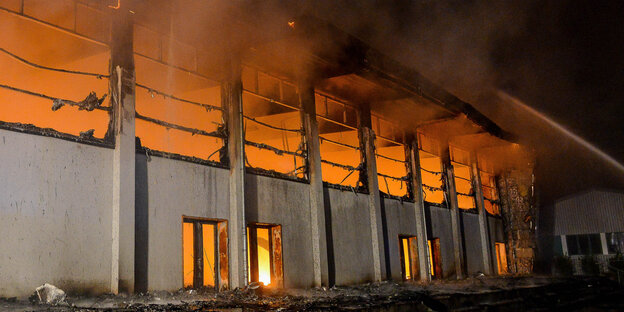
x=367, y=141
x=231, y=97
x=603, y=242
x=123, y=97
x=564, y=245
x=451, y=196
x=484, y=233
x=317, y=201
x=419, y=208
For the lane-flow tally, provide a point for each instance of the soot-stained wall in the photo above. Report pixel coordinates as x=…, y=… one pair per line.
x=287, y=203
x=55, y=215
x=439, y=226
x=473, y=256
x=400, y=219
x=167, y=189
x=350, y=228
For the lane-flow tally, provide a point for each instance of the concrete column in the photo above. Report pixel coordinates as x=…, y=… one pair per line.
x=603, y=242
x=419, y=208
x=317, y=200
x=451, y=196
x=122, y=126
x=367, y=141
x=484, y=234
x=231, y=97
x=564, y=245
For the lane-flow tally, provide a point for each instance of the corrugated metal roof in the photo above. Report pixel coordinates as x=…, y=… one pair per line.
x=595, y=211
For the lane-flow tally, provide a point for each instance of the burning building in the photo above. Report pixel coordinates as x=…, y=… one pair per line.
x=142, y=154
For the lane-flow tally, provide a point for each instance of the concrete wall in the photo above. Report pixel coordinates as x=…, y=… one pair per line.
x=287, y=203
x=439, y=226
x=349, y=222
x=167, y=189
x=473, y=256
x=55, y=214
x=400, y=219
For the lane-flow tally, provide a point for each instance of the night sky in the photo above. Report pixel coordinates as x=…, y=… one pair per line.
x=562, y=58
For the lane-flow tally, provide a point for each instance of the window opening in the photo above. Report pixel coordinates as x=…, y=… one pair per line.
x=501, y=258
x=178, y=110
x=274, y=136
x=491, y=200
x=585, y=244
x=204, y=253
x=431, y=170
x=615, y=242
x=53, y=78
x=341, y=157
x=460, y=159
x=435, y=258
x=264, y=254
x=409, y=257
x=392, y=166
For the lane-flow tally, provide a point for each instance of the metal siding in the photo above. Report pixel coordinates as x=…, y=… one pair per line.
x=591, y=212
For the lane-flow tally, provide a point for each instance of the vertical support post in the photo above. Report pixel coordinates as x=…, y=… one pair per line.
x=603, y=242
x=451, y=195
x=484, y=234
x=367, y=142
x=564, y=245
x=317, y=200
x=231, y=96
x=419, y=208
x=122, y=86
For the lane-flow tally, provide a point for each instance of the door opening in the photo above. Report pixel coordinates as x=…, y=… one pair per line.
x=435, y=258
x=264, y=254
x=204, y=253
x=409, y=257
x=501, y=258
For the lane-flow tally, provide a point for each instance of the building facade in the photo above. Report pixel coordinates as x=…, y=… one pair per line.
x=589, y=224
x=140, y=154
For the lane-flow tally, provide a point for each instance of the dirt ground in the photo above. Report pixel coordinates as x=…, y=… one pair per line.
x=372, y=297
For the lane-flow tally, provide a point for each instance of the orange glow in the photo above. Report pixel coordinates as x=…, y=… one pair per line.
x=45, y=45
x=501, y=258
x=463, y=184
x=391, y=168
x=431, y=163
x=183, y=85
x=188, y=253
x=341, y=155
x=264, y=258
x=431, y=269
x=406, y=258
x=488, y=183
x=208, y=240
x=273, y=102
x=291, y=24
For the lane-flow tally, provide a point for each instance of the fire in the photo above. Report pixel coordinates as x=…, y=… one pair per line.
x=291, y=24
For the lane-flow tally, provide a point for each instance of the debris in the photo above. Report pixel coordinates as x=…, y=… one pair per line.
x=50, y=294
x=87, y=134
x=90, y=103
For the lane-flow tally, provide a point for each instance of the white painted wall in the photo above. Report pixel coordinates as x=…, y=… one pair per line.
x=55, y=214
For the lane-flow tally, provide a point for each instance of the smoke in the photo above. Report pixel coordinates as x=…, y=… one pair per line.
x=529, y=49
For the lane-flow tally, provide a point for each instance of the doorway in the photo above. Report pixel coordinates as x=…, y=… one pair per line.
x=264, y=254
x=409, y=257
x=501, y=258
x=435, y=258
x=204, y=253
